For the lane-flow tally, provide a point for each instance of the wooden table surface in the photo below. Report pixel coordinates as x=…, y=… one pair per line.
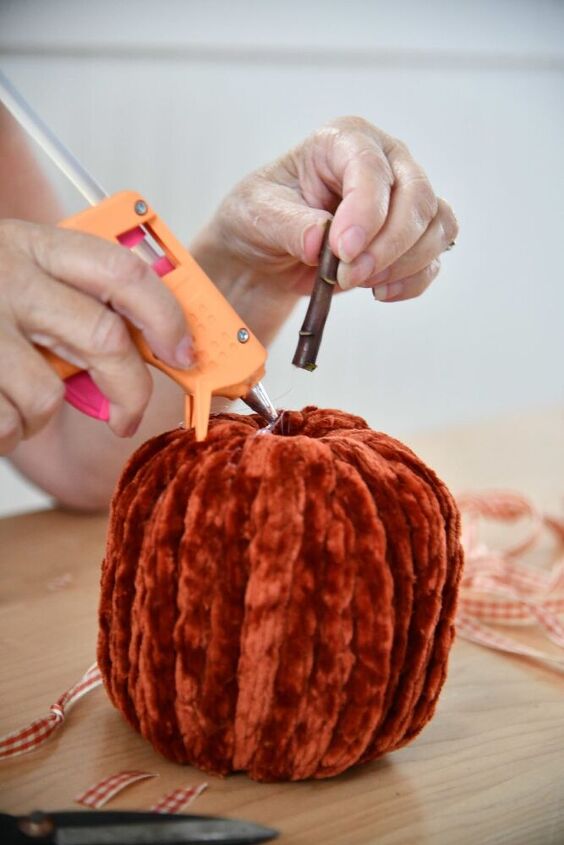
x=488, y=769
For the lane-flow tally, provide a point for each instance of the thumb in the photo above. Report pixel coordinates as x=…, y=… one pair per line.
x=272, y=221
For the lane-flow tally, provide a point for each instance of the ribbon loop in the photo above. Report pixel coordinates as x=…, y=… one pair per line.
x=497, y=587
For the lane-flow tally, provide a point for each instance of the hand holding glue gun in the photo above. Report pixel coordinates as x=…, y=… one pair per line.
x=68, y=291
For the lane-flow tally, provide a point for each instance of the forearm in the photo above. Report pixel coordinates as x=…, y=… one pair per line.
x=25, y=191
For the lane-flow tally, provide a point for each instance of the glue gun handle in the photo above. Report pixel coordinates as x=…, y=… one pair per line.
x=80, y=391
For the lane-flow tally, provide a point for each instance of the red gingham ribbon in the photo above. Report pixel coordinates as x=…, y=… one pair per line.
x=100, y=793
x=497, y=587
x=96, y=796
x=31, y=737
x=178, y=799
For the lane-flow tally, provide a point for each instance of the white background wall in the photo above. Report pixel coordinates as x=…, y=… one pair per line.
x=181, y=99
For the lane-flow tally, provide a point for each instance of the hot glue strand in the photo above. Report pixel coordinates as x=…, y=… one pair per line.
x=271, y=427
x=311, y=331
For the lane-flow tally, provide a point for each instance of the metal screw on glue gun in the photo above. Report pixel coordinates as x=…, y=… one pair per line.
x=243, y=335
x=140, y=207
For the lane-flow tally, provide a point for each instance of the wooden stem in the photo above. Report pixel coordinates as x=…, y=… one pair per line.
x=311, y=331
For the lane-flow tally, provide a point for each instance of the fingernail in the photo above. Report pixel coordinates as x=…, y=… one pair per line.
x=132, y=429
x=311, y=243
x=184, y=354
x=349, y=275
x=395, y=289
x=351, y=243
x=381, y=277
x=383, y=293
x=116, y=424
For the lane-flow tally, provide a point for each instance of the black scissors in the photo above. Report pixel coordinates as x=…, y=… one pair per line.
x=85, y=827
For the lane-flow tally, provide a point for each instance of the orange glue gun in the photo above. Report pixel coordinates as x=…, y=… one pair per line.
x=229, y=358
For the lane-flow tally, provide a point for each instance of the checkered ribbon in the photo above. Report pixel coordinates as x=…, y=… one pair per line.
x=31, y=737
x=497, y=587
x=179, y=799
x=97, y=795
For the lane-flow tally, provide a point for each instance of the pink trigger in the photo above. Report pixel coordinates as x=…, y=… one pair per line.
x=162, y=266
x=131, y=238
x=81, y=392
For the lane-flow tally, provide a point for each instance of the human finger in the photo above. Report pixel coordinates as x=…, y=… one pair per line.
x=30, y=389
x=350, y=157
x=10, y=426
x=281, y=209
x=114, y=276
x=437, y=238
x=412, y=206
x=85, y=331
x=408, y=288
x=266, y=218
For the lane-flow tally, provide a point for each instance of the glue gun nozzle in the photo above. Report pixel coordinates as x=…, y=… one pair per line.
x=258, y=401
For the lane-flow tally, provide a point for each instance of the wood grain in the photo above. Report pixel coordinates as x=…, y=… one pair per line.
x=487, y=770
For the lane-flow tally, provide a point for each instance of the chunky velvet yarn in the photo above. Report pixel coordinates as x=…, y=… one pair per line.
x=278, y=603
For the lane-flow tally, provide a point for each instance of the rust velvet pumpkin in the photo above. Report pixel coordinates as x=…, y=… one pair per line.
x=278, y=603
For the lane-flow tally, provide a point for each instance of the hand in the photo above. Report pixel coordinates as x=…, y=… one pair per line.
x=388, y=228
x=71, y=292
